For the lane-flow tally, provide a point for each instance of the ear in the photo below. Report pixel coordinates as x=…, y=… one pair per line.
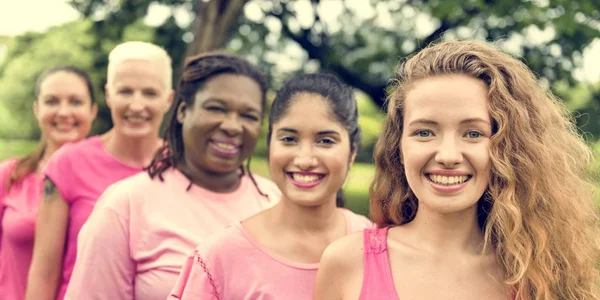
x=181, y=111
x=94, y=111
x=107, y=96
x=36, y=109
x=169, y=100
x=352, y=158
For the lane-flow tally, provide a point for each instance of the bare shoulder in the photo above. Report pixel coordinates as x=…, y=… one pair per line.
x=340, y=271
x=345, y=254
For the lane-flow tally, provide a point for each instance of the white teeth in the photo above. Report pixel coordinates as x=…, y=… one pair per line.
x=63, y=126
x=135, y=120
x=226, y=146
x=305, y=178
x=448, y=180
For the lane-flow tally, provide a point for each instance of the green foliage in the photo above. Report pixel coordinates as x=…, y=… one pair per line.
x=16, y=148
x=28, y=56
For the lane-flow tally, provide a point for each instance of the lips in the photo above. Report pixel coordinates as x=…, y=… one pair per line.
x=305, y=179
x=62, y=126
x=447, y=181
x=225, y=148
x=136, y=119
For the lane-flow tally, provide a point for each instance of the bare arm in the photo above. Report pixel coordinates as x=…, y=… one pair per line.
x=329, y=279
x=49, y=245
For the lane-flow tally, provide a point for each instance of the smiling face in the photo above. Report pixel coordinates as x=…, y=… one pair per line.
x=309, y=161
x=446, y=141
x=138, y=98
x=221, y=127
x=64, y=108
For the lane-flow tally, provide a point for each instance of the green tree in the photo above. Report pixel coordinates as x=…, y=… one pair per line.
x=27, y=57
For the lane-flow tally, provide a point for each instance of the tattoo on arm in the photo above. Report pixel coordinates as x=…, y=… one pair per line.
x=49, y=187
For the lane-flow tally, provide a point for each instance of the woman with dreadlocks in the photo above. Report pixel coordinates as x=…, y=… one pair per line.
x=195, y=186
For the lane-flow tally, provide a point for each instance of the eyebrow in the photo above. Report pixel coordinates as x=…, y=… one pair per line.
x=434, y=123
x=323, y=132
x=222, y=102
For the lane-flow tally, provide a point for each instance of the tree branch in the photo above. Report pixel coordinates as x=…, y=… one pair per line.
x=322, y=52
x=447, y=25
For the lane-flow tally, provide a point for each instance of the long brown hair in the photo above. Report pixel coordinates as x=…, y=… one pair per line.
x=538, y=214
x=30, y=162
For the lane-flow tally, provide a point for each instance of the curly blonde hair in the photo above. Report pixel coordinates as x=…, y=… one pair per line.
x=538, y=214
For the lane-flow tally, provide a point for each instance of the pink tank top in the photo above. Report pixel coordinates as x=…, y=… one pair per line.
x=377, y=280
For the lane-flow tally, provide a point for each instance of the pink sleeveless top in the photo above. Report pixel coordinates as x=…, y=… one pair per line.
x=377, y=280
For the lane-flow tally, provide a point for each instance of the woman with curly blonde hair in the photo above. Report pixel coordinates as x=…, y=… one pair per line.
x=482, y=190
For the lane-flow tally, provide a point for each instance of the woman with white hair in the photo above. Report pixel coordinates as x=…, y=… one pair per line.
x=138, y=93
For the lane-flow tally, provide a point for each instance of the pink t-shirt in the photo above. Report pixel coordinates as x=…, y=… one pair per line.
x=142, y=230
x=81, y=172
x=18, y=213
x=232, y=265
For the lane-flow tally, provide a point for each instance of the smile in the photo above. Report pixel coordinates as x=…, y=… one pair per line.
x=136, y=119
x=224, y=150
x=305, y=179
x=64, y=126
x=448, y=184
x=448, y=180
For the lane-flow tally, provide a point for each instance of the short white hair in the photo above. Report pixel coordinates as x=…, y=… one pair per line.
x=136, y=50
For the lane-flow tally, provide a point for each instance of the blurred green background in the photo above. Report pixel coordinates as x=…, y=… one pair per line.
x=361, y=41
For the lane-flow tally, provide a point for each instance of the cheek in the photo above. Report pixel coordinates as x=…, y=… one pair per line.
x=414, y=158
x=278, y=159
x=83, y=115
x=46, y=116
x=480, y=159
x=251, y=132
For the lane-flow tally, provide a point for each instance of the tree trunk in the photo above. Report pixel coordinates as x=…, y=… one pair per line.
x=213, y=24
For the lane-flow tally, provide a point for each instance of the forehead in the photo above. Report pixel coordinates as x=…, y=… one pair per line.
x=135, y=71
x=63, y=82
x=447, y=98
x=235, y=90
x=309, y=112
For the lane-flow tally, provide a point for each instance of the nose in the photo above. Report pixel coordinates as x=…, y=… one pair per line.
x=305, y=160
x=231, y=125
x=63, y=109
x=136, y=105
x=449, y=153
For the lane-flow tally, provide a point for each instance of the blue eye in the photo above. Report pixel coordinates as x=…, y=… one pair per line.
x=474, y=134
x=424, y=133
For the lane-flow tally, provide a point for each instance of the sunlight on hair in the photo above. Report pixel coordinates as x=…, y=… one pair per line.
x=136, y=50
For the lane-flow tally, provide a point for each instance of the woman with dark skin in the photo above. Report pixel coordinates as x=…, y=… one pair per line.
x=196, y=185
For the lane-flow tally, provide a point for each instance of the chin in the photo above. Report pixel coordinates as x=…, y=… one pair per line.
x=305, y=200
x=65, y=138
x=137, y=133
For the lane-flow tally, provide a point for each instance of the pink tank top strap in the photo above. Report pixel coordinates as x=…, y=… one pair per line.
x=377, y=278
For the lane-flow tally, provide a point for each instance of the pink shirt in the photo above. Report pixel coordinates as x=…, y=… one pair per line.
x=82, y=171
x=18, y=213
x=142, y=230
x=232, y=265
